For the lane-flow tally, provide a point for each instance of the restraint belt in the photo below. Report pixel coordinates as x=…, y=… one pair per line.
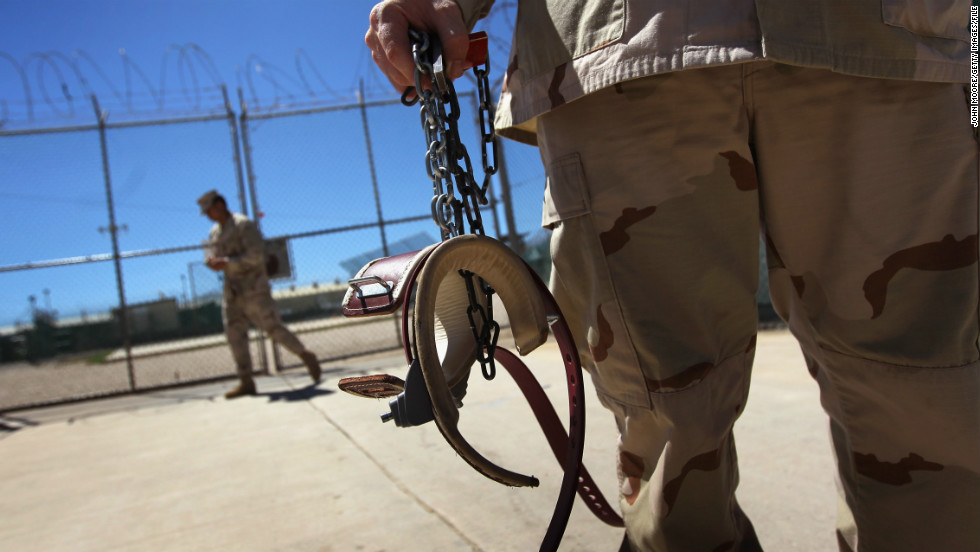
x=442, y=347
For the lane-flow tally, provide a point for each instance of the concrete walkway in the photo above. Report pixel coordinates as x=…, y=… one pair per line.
x=302, y=468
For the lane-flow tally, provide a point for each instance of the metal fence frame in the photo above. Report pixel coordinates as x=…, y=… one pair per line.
x=248, y=203
x=238, y=125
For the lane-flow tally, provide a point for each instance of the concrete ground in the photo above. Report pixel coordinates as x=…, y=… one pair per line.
x=180, y=361
x=303, y=468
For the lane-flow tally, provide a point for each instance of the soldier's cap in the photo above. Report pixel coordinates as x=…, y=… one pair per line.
x=208, y=200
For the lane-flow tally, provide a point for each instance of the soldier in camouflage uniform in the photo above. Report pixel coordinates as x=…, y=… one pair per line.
x=236, y=247
x=674, y=133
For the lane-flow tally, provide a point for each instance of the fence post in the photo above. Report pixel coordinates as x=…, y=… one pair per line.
x=491, y=189
x=113, y=233
x=236, y=150
x=374, y=186
x=513, y=238
x=250, y=174
x=374, y=177
x=190, y=276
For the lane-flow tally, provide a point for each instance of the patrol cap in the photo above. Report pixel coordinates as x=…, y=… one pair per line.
x=208, y=199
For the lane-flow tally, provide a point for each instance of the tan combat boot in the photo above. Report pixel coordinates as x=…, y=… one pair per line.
x=312, y=365
x=246, y=387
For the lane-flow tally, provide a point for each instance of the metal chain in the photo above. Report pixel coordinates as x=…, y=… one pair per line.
x=448, y=165
x=486, y=336
x=447, y=161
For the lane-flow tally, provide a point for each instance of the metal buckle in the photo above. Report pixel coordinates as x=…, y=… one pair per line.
x=369, y=281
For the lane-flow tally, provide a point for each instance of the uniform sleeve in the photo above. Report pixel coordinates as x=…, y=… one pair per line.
x=211, y=248
x=474, y=10
x=252, y=256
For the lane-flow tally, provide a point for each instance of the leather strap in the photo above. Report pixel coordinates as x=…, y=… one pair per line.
x=551, y=424
x=441, y=341
x=380, y=287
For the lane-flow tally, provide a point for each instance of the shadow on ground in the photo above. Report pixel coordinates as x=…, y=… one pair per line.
x=301, y=394
x=10, y=424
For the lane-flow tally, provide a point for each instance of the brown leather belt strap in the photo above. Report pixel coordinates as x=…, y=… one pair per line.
x=551, y=425
x=558, y=440
x=386, y=284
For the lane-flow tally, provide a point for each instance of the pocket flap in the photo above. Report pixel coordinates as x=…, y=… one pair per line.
x=565, y=194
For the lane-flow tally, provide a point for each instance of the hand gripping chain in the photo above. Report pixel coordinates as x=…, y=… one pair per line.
x=453, y=284
x=445, y=151
x=446, y=160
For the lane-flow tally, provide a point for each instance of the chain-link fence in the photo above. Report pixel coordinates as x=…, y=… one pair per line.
x=104, y=222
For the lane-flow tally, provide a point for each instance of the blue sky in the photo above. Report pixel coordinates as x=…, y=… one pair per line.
x=228, y=30
x=52, y=194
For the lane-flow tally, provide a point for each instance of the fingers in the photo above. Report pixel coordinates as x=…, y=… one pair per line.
x=455, y=41
x=391, y=49
x=387, y=37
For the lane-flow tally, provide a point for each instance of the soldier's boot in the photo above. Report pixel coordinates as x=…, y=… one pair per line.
x=312, y=365
x=245, y=387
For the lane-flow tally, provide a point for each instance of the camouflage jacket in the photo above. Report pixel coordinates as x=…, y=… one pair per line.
x=564, y=49
x=240, y=241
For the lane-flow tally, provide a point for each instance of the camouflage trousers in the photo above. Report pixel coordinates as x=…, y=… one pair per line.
x=865, y=194
x=250, y=300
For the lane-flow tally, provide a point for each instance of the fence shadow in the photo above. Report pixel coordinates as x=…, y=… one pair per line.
x=302, y=394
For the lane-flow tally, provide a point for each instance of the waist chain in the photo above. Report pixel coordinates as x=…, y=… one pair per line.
x=440, y=350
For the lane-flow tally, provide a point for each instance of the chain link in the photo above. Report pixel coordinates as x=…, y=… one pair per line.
x=448, y=165
x=447, y=161
x=486, y=336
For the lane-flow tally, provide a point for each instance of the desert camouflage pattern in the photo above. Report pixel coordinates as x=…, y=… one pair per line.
x=565, y=49
x=247, y=293
x=865, y=194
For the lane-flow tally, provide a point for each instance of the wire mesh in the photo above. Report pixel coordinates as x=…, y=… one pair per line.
x=336, y=186
x=339, y=186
